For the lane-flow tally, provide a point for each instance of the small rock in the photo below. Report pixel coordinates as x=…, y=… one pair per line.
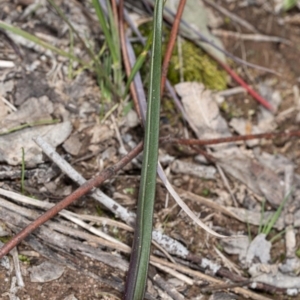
x=72, y=145
x=131, y=119
x=11, y=144
x=45, y=272
x=182, y=167
x=101, y=133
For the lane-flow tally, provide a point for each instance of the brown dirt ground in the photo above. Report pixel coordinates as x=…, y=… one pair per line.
x=282, y=58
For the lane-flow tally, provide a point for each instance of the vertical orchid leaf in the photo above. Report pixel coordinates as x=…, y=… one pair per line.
x=138, y=269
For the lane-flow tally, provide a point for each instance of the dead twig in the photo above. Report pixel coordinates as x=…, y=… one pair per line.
x=126, y=59
x=247, y=137
x=246, y=293
x=232, y=16
x=171, y=43
x=242, y=83
x=228, y=54
x=250, y=37
x=88, y=186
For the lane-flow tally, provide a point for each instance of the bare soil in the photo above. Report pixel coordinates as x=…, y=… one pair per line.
x=276, y=56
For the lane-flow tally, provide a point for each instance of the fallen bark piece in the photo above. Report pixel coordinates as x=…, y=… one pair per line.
x=204, y=115
x=201, y=171
x=46, y=272
x=260, y=179
x=270, y=274
x=11, y=144
x=259, y=248
x=32, y=111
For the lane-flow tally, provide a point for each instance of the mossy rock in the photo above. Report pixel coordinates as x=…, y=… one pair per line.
x=196, y=64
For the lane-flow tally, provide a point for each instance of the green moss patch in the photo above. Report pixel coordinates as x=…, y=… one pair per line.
x=196, y=64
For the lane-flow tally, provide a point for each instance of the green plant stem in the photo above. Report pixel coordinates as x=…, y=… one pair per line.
x=38, y=41
x=37, y=123
x=105, y=29
x=138, y=268
x=277, y=236
x=138, y=64
x=114, y=32
x=262, y=216
x=98, y=67
x=71, y=51
x=111, y=34
x=270, y=223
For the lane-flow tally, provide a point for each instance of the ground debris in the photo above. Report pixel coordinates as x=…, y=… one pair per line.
x=11, y=145
x=45, y=272
x=38, y=85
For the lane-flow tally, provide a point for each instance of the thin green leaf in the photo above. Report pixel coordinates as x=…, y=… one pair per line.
x=138, y=63
x=114, y=32
x=276, y=215
x=98, y=67
x=105, y=29
x=38, y=41
x=289, y=4
x=265, y=227
x=262, y=216
x=25, y=125
x=277, y=236
x=71, y=51
x=138, y=269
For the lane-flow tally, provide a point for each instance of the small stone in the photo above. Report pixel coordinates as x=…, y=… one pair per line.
x=45, y=272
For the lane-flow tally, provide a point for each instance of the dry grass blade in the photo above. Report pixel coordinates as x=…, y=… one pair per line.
x=89, y=185
x=186, y=209
x=242, y=291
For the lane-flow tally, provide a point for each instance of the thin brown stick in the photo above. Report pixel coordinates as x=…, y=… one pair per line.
x=171, y=43
x=232, y=16
x=88, y=186
x=268, y=135
x=126, y=59
x=115, y=12
x=112, y=170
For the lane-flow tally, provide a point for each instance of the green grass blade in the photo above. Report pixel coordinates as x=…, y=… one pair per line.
x=38, y=41
x=266, y=224
x=71, y=51
x=106, y=30
x=277, y=236
x=262, y=216
x=62, y=15
x=98, y=67
x=276, y=215
x=289, y=4
x=138, y=269
x=114, y=31
x=138, y=63
x=25, y=125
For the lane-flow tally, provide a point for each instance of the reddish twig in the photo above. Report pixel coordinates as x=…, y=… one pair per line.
x=204, y=153
x=194, y=143
x=88, y=186
x=171, y=43
x=235, y=76
x=115, y=12
x=126, y=59
x=242, y=83
x=268, y=135
x=106, y=174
